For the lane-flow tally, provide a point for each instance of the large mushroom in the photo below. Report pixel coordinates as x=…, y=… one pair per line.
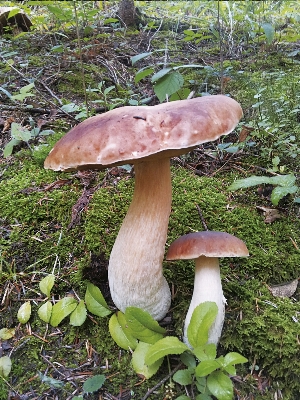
x=146, y=137
x=206, y=247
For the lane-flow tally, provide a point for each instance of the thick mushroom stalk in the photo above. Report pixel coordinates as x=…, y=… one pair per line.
x=135, y=265
x=207, y=287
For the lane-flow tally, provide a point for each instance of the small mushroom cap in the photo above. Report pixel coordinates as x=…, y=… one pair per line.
x=132, y=134
x=208, y=244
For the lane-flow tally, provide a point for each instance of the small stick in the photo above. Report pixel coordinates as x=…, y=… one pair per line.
x=162, y=381
x=201, y=217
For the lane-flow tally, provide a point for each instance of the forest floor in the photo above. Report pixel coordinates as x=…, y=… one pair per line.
x=66, y=223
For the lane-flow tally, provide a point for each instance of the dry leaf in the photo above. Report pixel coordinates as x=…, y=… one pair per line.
x=244, y=133
x=271, y=214
x=284, y=289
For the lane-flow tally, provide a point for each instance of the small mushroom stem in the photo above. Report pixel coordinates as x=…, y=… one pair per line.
x=207, y=287
x=135, y=266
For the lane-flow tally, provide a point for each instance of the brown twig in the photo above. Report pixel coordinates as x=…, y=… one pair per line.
x=162, y=381
x=201, y=217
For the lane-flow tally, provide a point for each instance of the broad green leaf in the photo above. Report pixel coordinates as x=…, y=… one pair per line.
x=142, y=74
x=234, y=358
x=120, y=332
x=206, y=352
x=248, y=182
x=8, y=149
x=201, y=321
x=279, y=192
x=206, y=367
x=168, y=85
x=283, y=180
x=46, y=284
x=13, y=12
x=62, y=309
x=95, y=302
x=269, y=32
x=183, y=397
x=181, y=94
x=5, y=366
x=230, y=369
x=70, y=107
x=6, y=333
x=45, y=311
x=183, y=377
x=139, y=364
x=20, y=133
x=143, y=326
x=165, y=346
x=160, y=74
x=188, y=360
x=93, y=384
x=78, y=316
x=27, y=88
x=139, y=57
x=220, y=385
x=204, y=396
x=24, y=312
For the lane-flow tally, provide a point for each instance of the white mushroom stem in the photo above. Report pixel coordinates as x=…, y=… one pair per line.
x=135, y=266
x=207, y=287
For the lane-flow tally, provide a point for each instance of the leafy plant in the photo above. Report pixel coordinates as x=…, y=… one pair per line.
x=167, y=81
x=21, y=134
x=136, y=330
x=91, y=385
x=284, y=185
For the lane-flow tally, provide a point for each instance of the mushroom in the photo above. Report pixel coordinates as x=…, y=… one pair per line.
x=146, y=137
x=206, y=247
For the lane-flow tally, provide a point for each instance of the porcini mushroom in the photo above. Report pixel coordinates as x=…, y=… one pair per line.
x=146, y=137
x=206, y=247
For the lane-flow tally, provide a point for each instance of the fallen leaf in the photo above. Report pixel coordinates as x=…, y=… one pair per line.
x=284, y=289
x=244, y=133
x=271, y=214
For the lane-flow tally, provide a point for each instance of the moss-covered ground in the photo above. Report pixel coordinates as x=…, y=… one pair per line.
x=42, y=233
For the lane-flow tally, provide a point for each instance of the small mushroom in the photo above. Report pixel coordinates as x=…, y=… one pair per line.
x=206, y=247
x=146, y=137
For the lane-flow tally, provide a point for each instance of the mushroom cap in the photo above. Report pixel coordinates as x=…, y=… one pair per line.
x=132, y=134
x=208, y=244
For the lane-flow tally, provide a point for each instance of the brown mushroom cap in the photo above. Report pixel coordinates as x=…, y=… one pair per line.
x=208, y=244
x=131, y=134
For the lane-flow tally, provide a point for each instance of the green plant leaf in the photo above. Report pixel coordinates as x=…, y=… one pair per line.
x=165, y=346
x=95, y=302
x=54, y=383
x=206, y=352
x=93, y=384
x=45, y=311
x=279, y=192
x=201, y=321
x=188, y=359
x=269, y=32
x=220, y=385
x=283, y=180
x=78, y=316
x=183, y=377
x=234, y=358
x=27, y=88
x=204, y=396
x=6, y=333
x=183, y=397
x=139, y=57
x=139, y=364
x=5, y=366
x=120, y=331
x=143, y=326
x=160, y=74
x=168, y=85
x=46, y=284
x=62, y=309
x=206, y=367
x=8, y=149
x=20, y=133
x=248, y=182
x=24, y=312
x=142, y=73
